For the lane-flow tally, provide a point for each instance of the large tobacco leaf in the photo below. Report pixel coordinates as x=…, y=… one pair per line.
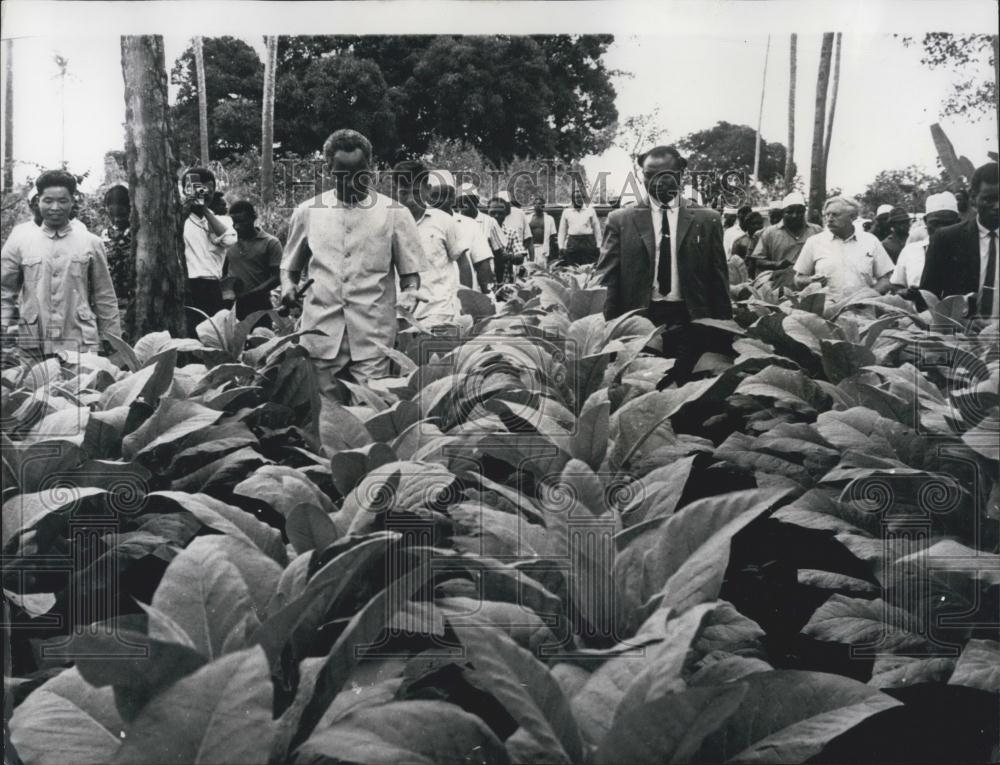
x=205, y=595
x=221, y=713
x=67, y=720
x=418, y=732
x=788, y=716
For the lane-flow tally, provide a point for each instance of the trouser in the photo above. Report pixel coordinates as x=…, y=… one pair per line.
x=541, y=255
x=581, y=249
x=680, y=339
x=252, y=302
x=332, y=394
x=503, y=268
x=205, y=294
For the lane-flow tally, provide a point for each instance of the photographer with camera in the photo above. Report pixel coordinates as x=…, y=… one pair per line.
x=206, y=237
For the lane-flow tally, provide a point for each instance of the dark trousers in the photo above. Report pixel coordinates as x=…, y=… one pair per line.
x=253, y=302
x=680, y=339
x=580, y=250
x=205, y=295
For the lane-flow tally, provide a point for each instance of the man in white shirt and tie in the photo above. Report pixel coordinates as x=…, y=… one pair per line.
x=664, y=256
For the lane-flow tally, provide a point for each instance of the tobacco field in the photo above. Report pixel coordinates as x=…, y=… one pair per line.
x=521, y=552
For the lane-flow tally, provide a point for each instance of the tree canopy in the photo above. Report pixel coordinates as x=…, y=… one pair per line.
x=973, y=58
x=907, y=188
x=234, y=83
x=730, y=148
x=507, y=96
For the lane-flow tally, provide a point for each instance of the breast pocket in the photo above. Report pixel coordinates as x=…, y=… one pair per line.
x=435, y=249
x=371, y=245
x=31, y=269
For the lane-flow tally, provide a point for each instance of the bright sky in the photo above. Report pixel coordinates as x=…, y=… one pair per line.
x=700, y=64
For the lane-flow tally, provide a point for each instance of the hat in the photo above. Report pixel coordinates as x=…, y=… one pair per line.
x=468, y=190
x=729, y=211
x=774, y=204
x=441, y=179
x=883, y=210
x=793, y=199
x=943, y=202
x=899, y=215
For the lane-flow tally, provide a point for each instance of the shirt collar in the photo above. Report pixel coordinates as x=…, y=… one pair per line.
x=834, y=237
x=983, y=231
x=363, y=202
x=52, y=233
x=656, y=204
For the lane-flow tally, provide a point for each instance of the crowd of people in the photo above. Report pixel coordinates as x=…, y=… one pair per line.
x=889, y=253
x=356, y=260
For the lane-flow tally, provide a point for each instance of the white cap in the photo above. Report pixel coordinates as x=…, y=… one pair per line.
x=774, y=204
x=468, y=190
x=729, y=211
x=441, y=178
x=504, y=195
x=943, y=202
x=795, y=198
x=883, y=210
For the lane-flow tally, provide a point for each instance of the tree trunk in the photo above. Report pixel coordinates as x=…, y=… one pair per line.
x=8, y=116
x=833, y=105
x=760, y=114
x=817, y=170
x=199, y=65
x=157, y=245
x=790, y=154
x=267, y=124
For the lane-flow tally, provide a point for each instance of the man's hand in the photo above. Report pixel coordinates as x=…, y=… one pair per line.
x=410, y=297
x=290, y=301
x=195, y=205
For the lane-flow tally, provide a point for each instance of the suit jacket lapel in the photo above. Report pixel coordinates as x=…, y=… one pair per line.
x=644, y=224
x=972, y=236
x=683, y=222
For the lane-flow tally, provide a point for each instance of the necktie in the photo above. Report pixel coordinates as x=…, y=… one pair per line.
x=663, y=270
x=988, y=300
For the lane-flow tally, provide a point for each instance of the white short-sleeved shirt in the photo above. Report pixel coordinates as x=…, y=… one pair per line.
x=849, y=265
x=910, y=265
x=473, y=238
x=443, y=246
x=730, y=235
x=205, y=252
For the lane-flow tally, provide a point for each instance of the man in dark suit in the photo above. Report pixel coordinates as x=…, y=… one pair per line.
x=962, y=259
x=665, y=257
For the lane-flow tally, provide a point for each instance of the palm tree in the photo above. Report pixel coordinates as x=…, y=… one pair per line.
x=267, y=123
x=789, y=155
x=152, y=171
x=199, y=65
x=62, y=64
x=760, y=114
x=833, y=104
x=817, y=170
